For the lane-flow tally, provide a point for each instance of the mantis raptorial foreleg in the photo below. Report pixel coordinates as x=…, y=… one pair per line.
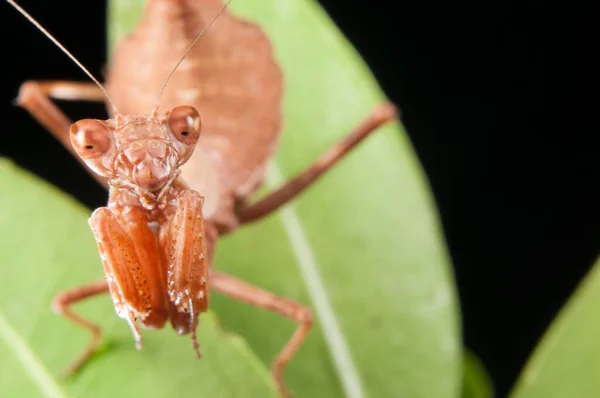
x=130, y=257
x=183, y=241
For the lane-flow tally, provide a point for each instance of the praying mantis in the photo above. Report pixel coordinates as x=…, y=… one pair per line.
x=180, y=179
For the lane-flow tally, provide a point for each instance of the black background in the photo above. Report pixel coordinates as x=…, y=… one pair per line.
x=516, y=192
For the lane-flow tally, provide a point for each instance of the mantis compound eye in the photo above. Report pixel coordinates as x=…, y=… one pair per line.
x=184, y=122
x=90, y=138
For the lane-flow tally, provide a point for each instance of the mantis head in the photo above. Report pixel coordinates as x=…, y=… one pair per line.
x=145, y=151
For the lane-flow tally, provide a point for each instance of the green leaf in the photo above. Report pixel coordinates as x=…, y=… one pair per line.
x=47, y=247
x=566, y=362
x=363, y=247
x=477, y=383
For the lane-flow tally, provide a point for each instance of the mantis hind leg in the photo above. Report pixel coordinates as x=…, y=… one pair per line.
x=36, y=97
x=381, y=114
x=255, y=296
x=61, y=304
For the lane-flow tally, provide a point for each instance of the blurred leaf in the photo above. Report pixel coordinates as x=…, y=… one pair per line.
x=46, y=247
x=566, y=362
x=363, y=247
x=477, y=383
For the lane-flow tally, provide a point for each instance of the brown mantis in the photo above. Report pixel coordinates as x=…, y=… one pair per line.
x=180, y=179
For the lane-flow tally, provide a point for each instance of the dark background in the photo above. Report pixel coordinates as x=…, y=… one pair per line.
x=517, y=193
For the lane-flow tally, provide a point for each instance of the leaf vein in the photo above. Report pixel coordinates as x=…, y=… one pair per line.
x=31, y=364
x=336, y=343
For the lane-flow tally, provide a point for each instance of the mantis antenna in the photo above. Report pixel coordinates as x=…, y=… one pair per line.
x=162, y=89
x=59, y=45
